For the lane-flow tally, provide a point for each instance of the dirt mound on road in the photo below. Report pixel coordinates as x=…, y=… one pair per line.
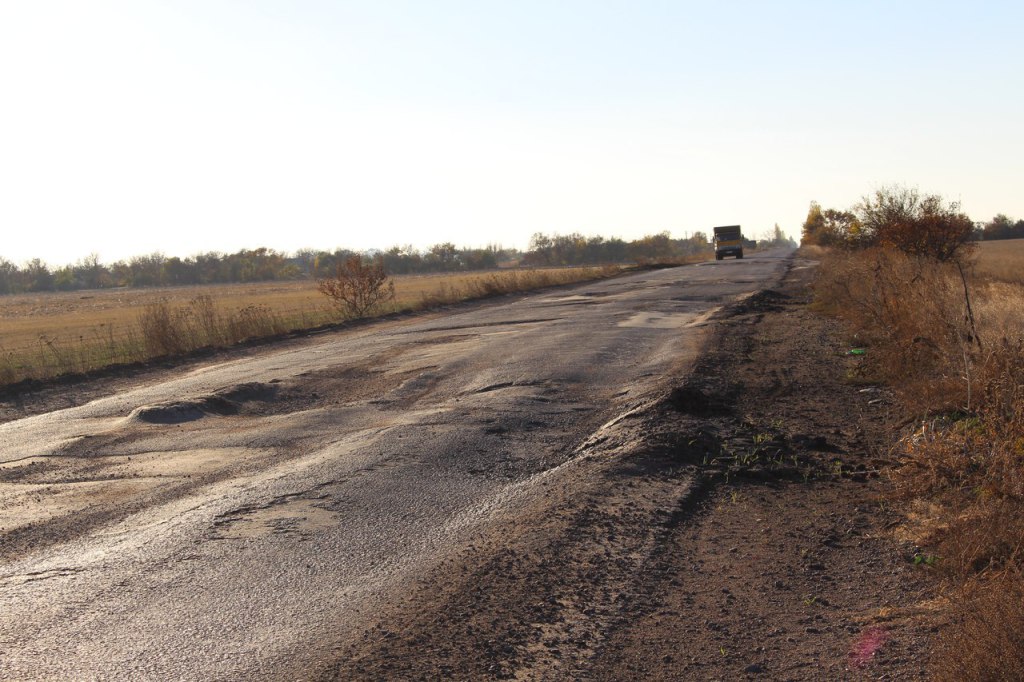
x=227, y=401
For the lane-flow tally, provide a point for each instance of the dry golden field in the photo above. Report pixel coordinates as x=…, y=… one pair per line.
x=71, y=315
x=1002, y=259
x=47, y=334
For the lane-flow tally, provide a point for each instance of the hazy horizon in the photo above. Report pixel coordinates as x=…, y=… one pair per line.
x=134, y=127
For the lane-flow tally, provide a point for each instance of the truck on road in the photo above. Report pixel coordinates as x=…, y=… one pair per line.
x=728, y=241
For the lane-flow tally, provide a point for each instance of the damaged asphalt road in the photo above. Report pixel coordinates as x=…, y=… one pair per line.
x=248, y=519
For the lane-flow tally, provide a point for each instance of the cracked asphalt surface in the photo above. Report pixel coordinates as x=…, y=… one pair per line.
x=245, y=519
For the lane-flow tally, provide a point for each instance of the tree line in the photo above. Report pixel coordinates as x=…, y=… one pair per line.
x=577, y=249
x=263, y=264
x=1002, y=227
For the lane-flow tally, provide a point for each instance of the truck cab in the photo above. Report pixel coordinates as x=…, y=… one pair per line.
x=728, y=241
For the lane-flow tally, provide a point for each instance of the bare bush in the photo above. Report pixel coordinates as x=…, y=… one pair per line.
x=358, y=288
x=927, y=226
x=896, y=218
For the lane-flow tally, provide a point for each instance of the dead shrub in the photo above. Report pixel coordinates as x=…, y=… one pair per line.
x=175, y=330
x=8, y=367
x=935, y=461
x=443, y=294
x=358, y=288
x=901, y=218
x=972, y=464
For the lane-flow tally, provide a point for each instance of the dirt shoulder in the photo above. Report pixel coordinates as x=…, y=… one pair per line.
x=734, y=529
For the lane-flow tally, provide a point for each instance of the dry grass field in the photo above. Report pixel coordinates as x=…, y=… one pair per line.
x=48, y=334
x=1002, y=260
x=83, y=314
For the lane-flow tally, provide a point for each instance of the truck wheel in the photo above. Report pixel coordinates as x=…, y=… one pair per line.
x=740, y=255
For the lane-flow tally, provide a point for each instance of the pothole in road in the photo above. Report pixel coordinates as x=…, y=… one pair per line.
x=578, y=299
x=480, y=325
x=658, y=320
x=297, y=516
x=34, y=505
x=41, y=490
x=342, y=384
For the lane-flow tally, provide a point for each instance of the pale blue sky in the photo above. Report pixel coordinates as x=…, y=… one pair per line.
x=139, y=126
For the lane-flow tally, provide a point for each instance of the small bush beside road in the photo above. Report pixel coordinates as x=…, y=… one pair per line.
x=358, y=288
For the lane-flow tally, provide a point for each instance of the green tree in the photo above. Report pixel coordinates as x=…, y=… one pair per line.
x=38, y=276
x=8, y=276
x=444, y=256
